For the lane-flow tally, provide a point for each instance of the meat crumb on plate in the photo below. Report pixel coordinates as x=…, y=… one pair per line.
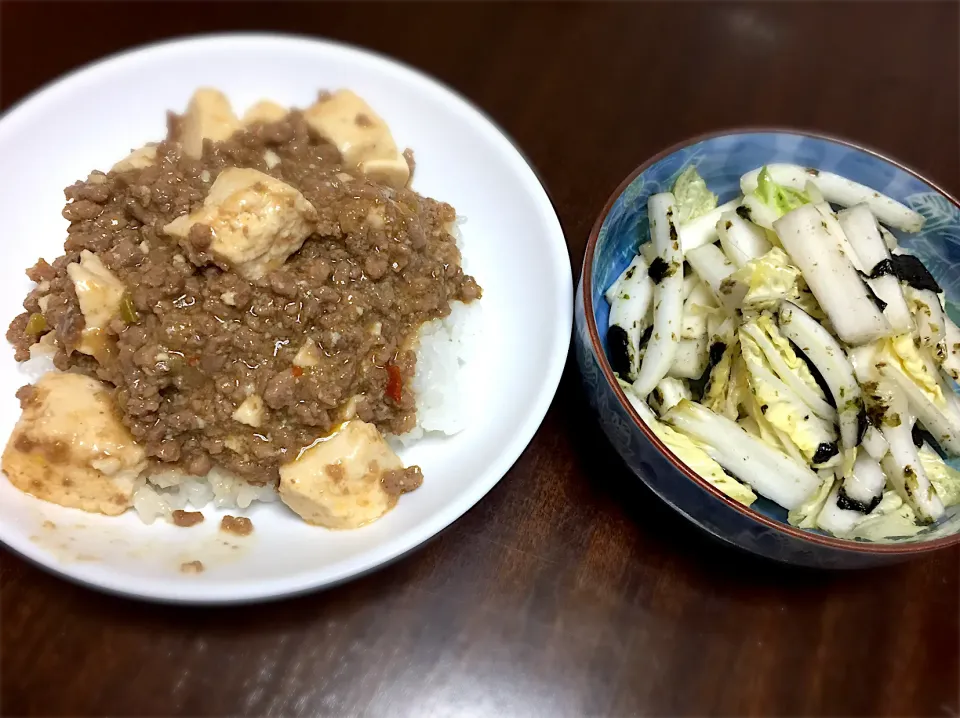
x=187, y=518
x=191, y=567
x=239, y=525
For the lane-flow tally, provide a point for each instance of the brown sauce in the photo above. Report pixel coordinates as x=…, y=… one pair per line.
x=379, y=264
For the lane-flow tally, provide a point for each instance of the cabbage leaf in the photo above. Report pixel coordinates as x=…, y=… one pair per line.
x=693, y=198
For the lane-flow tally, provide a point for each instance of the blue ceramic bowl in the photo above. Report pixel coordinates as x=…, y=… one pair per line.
x=721, y=159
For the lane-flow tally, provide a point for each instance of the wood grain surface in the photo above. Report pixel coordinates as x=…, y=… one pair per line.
x=570, y=590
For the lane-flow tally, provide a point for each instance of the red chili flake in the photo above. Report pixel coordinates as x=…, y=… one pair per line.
x=193, y=361
x=394, y=382
x=296, y=371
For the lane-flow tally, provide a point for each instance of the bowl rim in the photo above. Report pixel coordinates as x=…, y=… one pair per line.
x=607, y=370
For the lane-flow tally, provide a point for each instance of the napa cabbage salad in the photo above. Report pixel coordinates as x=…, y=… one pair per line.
x=783, y=345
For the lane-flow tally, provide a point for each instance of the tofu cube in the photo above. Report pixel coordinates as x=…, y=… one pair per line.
x=337, y=481
x=70, y=447
x=257, y=221
x=99, y=293
x=208, y=116
x=308, y=355
x=250, y=411
x=360, y=134
x=264, y=111
x=137, y=160
x=394, y=172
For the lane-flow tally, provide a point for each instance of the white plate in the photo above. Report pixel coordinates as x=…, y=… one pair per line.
x=513, y=244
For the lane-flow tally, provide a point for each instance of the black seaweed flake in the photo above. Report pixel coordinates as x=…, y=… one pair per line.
x=716, y=353
x=674, y=237
x=911, y=270
x=698, y=387
x=658, y=270
x=884, y=266
x=862, y=424
x=618, y=343
x=916, y=433
x=847, y=504
x=921, y=436
x=645, y=337
x=880, y=304
x=743, y=212
x=817, y=376
x=875, y=413
x=825, y=452
x=909, y=473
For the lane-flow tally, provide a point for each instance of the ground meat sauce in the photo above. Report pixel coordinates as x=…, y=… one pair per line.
x=196, y=339
x=187, y=519
x=27, y=395
x=402, y=481
x=238, y=525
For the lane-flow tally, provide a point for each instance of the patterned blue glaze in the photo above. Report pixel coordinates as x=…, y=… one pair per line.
x=722, y=161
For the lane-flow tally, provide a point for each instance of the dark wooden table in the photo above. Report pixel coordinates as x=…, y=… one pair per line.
x=570, y=589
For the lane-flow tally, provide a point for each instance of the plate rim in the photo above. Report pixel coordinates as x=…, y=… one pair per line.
x=393, y=549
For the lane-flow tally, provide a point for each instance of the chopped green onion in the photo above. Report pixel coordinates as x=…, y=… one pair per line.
x=36, y=324
x=128, y=312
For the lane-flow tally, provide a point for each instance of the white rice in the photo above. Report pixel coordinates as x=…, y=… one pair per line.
x=439, y=382
x=163, y=493
x=40, y=361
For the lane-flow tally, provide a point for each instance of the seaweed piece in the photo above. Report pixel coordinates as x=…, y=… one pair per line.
x=716, y=354
x=825, y=452
x=658, y=270
x=875, y=409
x=884, y=266
x=645, y=337
x=848, y=504
x=618, y=343
x=880, y=304
x=862, y=424
x=817, y=376
x=921, y=435
x=911, y=270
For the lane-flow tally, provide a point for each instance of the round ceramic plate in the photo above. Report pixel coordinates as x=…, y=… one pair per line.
x=513, y=244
